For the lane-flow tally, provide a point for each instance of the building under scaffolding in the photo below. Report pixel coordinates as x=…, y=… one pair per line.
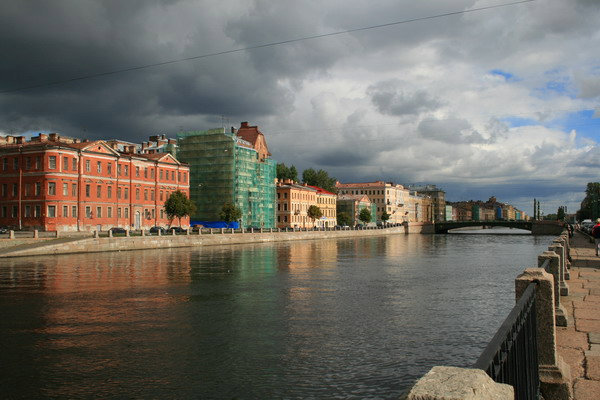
x=232, y=167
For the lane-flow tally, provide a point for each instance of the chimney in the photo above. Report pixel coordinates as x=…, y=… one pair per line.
x=144, y=145
x=10, y=139
x=20, y=139
x=54, y=137
x=43, y=137
x=244, y=124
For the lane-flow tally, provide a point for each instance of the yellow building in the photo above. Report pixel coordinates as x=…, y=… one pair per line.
x=293, y=201
x=326, y=201
x=387, y=197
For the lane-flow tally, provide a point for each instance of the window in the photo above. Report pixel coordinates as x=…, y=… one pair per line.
x=118, y=193
x=38, y=188
x=87, y=190
x=137, y=171
x=66, y=163
x=145, y=172
x=65, y=189
x=126, y=194
x=3, y=212
x=37, y=211
x=27, y=211
x=51, y=211
x=118, y=169
x=4, y=189
x=98, y=191
x=27, y=189
x=152, y=195
x=153, y=213
x=4, y=164
x=172, y=175
x=99, y=167
x=99, y=212
x=109, y=168
x=162, y=213
x=15, y=211
x=127, y=170
x=74, y=164
x=88, y=212
x=137, y=194
x=52, y=188
x=185, y=177
x=161, y=195
x=88, y=167
x=126, y=212
x=14, y=190
x=15, y=164
x=152, y=173
x=178, y=176
x=65, y=210
x=74, y=211
x=38, y=162
x=160, y=173
x=119, y=212
x=74, y=189
x=109, y=212
x=28, y=163
x=52, y=162
x=145, y=194
x=109, y=192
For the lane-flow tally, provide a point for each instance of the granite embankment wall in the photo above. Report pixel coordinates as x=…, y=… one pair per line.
x=39, y=247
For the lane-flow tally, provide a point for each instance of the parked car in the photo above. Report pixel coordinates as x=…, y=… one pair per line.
x=4, y=230
x=177, y=229
x=156, y=229
x=118, y=230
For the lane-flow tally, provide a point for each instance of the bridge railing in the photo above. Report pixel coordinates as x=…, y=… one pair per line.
x=511, y=356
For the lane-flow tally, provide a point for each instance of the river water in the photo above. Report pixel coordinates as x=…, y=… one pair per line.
x=345, y=318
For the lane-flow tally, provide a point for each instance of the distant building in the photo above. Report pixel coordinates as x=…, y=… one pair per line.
x=327, y=202
x=386, y=196
x=230, y=166
x=65, y=184
x=438, y=200
x=419, y=208
x=293, y=201
x=352, y=205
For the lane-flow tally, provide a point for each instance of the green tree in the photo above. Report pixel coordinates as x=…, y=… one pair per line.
x=314, y=213
x=230, y=213
x=344, y=219
x=179, y=205
x=560, y=215
x=320, y=179
x=284, y=172
x=590, y=206
x=365, y=215
x=385, y=217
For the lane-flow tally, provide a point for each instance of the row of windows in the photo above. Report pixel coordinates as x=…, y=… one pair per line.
x=71, y=211
x=35, y=190
x=122, y=170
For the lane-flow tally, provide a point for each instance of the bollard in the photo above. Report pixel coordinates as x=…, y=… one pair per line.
x=57, y=235
x=232, y=231
x=555, y=374
x=159, y=232
x=110, y=233
x=36, y=234
x=222, y=231
x=127, y=232
x=187, y=232
x=554, y=268
x=453, y=383
x=143, y=232
x=261, y=230
x=95, y=233
x=11, y=234
x=173, y=231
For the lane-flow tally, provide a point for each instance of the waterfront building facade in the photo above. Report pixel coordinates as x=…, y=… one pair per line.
x=352, y=204
x=230, y=166
x=419, y=208
x=293, y=201
x=327, y=202
x=56, y=183
x=387, y=197
x=438, y=200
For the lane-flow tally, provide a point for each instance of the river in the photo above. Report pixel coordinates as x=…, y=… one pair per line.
x=345, y=318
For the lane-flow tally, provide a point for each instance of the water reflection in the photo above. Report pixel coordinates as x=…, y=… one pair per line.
x=334, y=318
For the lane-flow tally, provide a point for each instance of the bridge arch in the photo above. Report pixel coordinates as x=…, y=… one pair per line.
x=444, y=227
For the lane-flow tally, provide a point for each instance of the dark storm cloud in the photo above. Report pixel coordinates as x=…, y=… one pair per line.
x=451, y=131
x=391, y=99
x=46, y=42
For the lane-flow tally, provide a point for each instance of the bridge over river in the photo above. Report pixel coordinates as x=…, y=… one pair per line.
x=536, y=227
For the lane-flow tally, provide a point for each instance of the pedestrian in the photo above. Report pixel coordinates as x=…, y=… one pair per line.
x=596, y=234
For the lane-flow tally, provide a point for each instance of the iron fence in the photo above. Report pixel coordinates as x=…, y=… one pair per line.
x=511, y=356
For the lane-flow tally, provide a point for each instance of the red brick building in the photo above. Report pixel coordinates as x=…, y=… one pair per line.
x=53, y=183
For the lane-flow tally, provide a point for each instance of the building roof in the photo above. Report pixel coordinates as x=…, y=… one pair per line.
x=251, y=134
x=321, y=190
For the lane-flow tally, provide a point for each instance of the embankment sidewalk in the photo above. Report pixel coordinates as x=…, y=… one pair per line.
x=579, y=343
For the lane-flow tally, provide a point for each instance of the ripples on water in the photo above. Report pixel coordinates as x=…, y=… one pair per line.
x=347, y=318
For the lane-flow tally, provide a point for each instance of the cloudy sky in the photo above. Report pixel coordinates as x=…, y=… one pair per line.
x=499, y=101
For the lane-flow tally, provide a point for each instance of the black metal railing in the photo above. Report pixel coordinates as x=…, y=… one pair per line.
x=511, y=356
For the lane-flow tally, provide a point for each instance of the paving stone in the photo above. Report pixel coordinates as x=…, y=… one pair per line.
x=586, y=389
x=593, y=368
x=595, y=347
x=580, y=304
x=574, y=358
x=578, y=290
x=569, y=337
x=590, y=285
x=594, y=337
x=593, y=299
x=587, y=313
x=587, y=325
x=595, y=292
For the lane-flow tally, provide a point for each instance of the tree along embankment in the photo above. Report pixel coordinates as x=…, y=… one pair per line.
x=218, y=237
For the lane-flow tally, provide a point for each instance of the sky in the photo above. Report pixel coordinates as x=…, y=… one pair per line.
x=479, y=100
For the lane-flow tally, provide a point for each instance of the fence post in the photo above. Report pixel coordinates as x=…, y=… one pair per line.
x=36, y=234
x=444, y=383
x=555, y=374
x=95, y=233
x=554, y=269
x=110, y=233
x=559, y=249
x=11, y=234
